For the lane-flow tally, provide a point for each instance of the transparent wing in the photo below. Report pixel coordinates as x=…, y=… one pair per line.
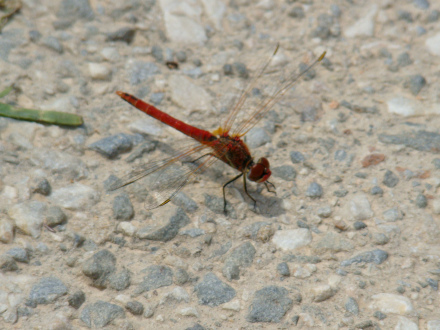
x=166, y=177
x=253, y=111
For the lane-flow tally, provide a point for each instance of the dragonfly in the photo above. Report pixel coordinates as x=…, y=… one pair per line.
x=225, y=144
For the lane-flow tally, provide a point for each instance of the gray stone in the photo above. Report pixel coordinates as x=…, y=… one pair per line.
x=390, y=179
x=7, y=263
x=392, y=215
x=77, y=299
x=120, y=281
x=75, y=9
x=53, y=43
x=139, y=72
x=157, y=53
x=135, y=307
x=47, y=290
x=213, y=292
x=113, y=146
x=43, y=187
x=436, y=163
x=421, y=201
x=380, y=239
x=215, y=204
x=324, y=211
x=376, y=190
x=351, y=306
x=181, y=276
x=283, y=269
x=29, y=217
x=241, y=70
x=332, y=242
x=297, y=12
x=157, y=277
x=358, y=225
x=270, y=304
x=99, y=267
x=404, y=60
x=340, y=155
x=422, y=4
x=257, y=137
x=122, y=207
x=416, y=83
x=241, y=256
x=296, y=157
x=379, y=315
x=314, y=190
x=157, y=98
x=193, y=232
x=182, y=200
x=166, y=232
x=420, y=140
x=55, y=216
x=125, y=34
x=19, y=254
x=100, y=314
x=196, y=327
x=375, y=256
x=227, y=69
x=285, y=172
x=302, y=259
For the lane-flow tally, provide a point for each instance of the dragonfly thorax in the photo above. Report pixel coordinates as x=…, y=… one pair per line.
x=260, y=171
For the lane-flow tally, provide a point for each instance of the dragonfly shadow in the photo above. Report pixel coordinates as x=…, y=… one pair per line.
x=269, y=206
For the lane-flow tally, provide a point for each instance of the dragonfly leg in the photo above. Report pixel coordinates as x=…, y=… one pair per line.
x=267, y=183
x=224, y=193
x=245, y=189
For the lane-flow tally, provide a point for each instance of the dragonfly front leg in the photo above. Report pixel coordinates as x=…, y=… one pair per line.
x=267, y=183
x=245, y=189
x=224, y=186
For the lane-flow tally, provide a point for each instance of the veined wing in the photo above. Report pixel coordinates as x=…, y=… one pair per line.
x=262, y=107
x=166, y=177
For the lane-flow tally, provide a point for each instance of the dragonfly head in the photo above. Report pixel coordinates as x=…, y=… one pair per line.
x=259, y=171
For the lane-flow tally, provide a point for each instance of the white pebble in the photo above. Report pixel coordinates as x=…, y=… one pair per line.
x=433, y=44
x=189, y=311
x=99, y=71
x=391, y=303
x=292, y=239
x=126, y=228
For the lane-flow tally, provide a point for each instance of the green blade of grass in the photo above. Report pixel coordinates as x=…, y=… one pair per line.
x=40, y=116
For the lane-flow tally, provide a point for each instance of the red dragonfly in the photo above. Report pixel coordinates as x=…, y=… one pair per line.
x=225, y=144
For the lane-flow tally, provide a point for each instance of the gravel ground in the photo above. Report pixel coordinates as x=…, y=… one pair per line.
x=352, y=237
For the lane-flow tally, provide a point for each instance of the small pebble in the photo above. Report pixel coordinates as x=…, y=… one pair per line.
x=416, y=83
x=125, y=34
x=358, y=225
x=404, y=60
x=376, y=190
x=296, y=157
x=421, y=201
x=283, y=269
x=314, y=190
x=297, y=12
x=135, y=307
x=379, y=315
x=390, y=179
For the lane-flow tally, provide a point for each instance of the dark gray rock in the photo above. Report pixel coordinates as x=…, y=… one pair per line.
x=420, y=140
x=421, y=201
x=340, y=155
x=75, y=9
x=122, y=207
x=193, y=232
x=135, y=307
x=77, y=299
x=181, y=276
x=314, y=190
x=157, y=277
x=43, y=187
x=100, y=314
x=99, y=267
x=182, y=200
x=422, y=4
x=215, y=204
x=213, y=292
x=302, y=259
x=157, y=53
x=432, y=283
x=358, y=225
x=283, y=269
x=55, y=216
x=285, y=172
x=241, y=256
x=227, y=69
x=376, y=190
x=166, y=232
x=297, y=12
x=404, y=60
x=113, y=146
x=390, y=179
x=351, y=306
x=416, y=83
x=270, y=304
x=379, y=315
x=53, y=44
x=19, y=254
x=433, y=16
x=241, y=70
x=139, y=72
x=375, y=256
x=125, y=34
x=120, y=281
x=47, y=290
x=196, y=327
x=296, y=157
x=7, y=263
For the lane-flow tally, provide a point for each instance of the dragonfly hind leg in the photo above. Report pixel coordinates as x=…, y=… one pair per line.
x=224, y=193
x=246, y=191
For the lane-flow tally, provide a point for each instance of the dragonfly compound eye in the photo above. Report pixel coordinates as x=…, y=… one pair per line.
x=260, y=171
